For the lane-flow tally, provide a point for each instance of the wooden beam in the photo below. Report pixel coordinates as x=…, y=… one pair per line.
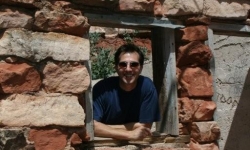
x=130, y=21
x=100, y=142
x=139, y=21
x=172, y=124
x=164, y=75
x=88, y=106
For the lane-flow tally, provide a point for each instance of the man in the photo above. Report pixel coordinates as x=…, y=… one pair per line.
x=125, y=106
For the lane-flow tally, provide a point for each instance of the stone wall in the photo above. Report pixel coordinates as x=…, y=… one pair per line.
x=42, y=75
x=195, y=89
x=43, y=49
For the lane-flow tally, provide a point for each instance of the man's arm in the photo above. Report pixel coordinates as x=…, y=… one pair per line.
x=131, y=126
x=103, y=130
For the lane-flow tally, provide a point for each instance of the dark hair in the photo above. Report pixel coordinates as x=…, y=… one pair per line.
x=129, y=48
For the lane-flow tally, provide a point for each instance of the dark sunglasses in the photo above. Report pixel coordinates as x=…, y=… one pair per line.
x=124, y=64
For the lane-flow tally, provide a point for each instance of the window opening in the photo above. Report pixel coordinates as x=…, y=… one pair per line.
x=162, y=39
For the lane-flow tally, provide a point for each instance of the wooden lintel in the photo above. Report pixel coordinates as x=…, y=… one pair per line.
x=133, y=21
x=114, y=20
x=164, y=139
x=98, y=142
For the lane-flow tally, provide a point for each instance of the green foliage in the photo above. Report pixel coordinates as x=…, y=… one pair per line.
x=128, y=37
x=94, y=38
x=102, y=60
x=145, y=52
x=103, y=64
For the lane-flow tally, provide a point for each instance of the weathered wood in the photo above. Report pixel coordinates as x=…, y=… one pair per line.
x=129, y=21
x=171, y=80
x=88, y=106
x=146, y=141
x=100, y=142
x=166, y=139
x=164, y=75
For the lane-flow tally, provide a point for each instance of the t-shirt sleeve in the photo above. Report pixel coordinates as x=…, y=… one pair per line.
x=97, y=104
x=149, y=111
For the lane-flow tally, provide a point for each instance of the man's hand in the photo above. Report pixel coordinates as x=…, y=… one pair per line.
x=140, y=133
x=137, y=133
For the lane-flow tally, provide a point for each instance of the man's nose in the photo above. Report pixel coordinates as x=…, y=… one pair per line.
x=128, y=68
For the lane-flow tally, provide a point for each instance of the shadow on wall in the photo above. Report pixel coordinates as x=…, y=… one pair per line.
x=239, y=134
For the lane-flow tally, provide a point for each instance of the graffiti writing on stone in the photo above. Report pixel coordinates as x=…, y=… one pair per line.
x=227, y=100
x=232, y=60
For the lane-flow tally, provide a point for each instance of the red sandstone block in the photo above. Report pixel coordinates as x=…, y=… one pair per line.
x=194, y=145
x=18, y=78
x=75, y=139
x=195, y=82
x=195, y=110
x=115, y=43
x=198, y=20
x=79, y=136
x=193, y=54
x=48, y=139
x=186, y=109
x=192, y=33
x=204, y=110
x=205, y=131
x=63, y=21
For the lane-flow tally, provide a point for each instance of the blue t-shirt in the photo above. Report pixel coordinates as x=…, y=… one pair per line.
x=112, y=105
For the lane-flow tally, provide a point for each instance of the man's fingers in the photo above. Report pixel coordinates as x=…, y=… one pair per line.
x=148, y=131
x=141, y=133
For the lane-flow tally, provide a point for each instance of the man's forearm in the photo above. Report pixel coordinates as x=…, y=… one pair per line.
x=120, y=131
x=131, y=126
x=103, y=130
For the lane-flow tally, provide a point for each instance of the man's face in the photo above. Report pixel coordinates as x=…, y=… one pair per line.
x=128, y=69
